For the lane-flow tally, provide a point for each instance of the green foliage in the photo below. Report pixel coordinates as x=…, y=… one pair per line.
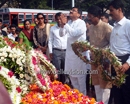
x=6, y=83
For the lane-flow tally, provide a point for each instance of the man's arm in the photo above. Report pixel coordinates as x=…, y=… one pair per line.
x=50, y=42
x=78, y=31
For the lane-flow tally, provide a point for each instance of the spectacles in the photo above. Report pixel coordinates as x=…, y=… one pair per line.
x=40, y=18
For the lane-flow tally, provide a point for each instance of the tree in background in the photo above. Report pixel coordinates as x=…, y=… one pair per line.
x=61, y=4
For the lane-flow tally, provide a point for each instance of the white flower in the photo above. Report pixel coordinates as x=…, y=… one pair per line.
x=21, y=68
x=13, y=59
x=52, y=98
x=14, y=56
x=10, y=55
x=8, y=49
x=25, y=89
x=44, y=87
x=2, y=58
x=15, y=96
x=4, y=54
x=21, y=75
x=19, y=62
x=23, y=60
x=39, y=96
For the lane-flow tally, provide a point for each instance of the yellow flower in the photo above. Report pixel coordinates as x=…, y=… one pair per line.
x=55, y=102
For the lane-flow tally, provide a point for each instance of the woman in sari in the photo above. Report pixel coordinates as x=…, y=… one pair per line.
x=26, y=35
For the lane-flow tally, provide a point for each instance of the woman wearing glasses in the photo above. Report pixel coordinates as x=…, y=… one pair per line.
x=41, y=33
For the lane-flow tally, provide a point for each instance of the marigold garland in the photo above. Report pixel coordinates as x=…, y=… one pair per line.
x=79, y=47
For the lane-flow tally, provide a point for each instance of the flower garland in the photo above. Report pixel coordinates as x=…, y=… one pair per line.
x=13, y=59
x=98, y=54
x=9, y=42
x=36, y=62
x=45, y=64
x=80, y=47
x=14, y=90
x=117, y=80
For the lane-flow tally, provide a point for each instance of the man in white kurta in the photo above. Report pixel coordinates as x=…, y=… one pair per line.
x=74, y=66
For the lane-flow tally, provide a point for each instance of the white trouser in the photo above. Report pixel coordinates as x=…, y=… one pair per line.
x=79, y=83
x=102, y=94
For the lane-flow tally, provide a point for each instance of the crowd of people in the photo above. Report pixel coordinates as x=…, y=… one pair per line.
x=56, y=42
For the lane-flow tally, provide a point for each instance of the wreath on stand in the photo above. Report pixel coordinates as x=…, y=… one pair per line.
x=40, y=69
x=101, y=58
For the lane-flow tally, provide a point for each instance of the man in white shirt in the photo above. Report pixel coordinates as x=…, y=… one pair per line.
x=57, y=47
x=13, y=34
x=75, y=29
x=120, y=45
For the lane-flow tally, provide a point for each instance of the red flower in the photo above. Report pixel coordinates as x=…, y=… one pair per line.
x=6, y=39
x=0, y=67
x=18, y=89
x=41, y=79
x=9, y=42
x=39, y=76
x=100, y=102
x=10, y=74
x=43, y=82
x=34, y=61
x=12, y=45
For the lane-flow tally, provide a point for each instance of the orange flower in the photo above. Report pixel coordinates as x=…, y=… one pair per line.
x=58, y=94
x=92, y=101
x=75, y=90
x=67, y=87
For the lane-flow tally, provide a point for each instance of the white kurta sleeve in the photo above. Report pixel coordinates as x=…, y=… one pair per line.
x=79, y=30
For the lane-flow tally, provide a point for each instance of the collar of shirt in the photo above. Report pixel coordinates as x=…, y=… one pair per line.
x=121, y=22
x=100, y=21
x=70, y=21
x=11, y=35
x=57, y=26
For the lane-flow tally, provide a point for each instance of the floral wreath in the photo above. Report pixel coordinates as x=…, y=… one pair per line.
x=80, y=47
x=12, y=56
x=38, y=66
x=14, y=88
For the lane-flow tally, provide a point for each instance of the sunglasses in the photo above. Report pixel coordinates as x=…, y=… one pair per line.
x=40, y=18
